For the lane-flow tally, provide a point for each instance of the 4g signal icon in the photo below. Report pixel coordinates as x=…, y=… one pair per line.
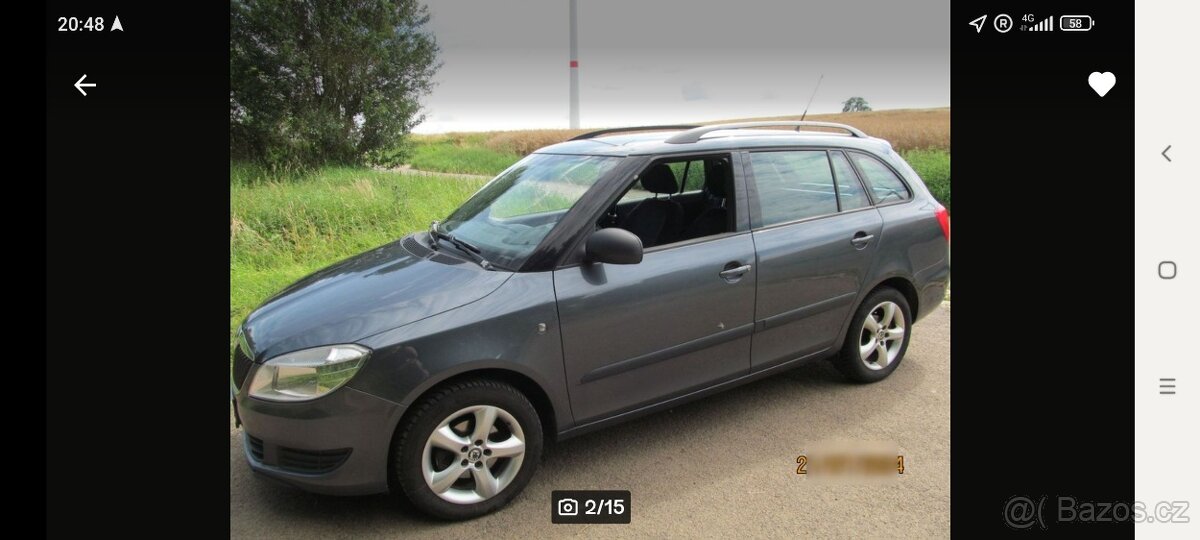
x=1047, y=25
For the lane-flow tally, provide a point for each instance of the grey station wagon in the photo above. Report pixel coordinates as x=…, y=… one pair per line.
x=612, y=275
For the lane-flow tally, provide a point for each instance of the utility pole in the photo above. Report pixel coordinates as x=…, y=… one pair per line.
x=574, y=69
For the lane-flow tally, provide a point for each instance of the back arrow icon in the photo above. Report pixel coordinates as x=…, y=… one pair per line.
x=1164, y=152
x=80, y=84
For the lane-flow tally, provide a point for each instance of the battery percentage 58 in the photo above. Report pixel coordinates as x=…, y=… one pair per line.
x=1075, y=23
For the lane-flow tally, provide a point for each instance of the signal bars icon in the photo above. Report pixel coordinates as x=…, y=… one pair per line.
x=1047, y=25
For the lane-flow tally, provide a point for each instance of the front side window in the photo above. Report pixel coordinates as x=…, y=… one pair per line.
x=793, y=185
x=885, y=186
x=690, y=175
x=677, y=201
x=510, y=216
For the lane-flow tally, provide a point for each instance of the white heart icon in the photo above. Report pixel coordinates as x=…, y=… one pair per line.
x=1102, y=82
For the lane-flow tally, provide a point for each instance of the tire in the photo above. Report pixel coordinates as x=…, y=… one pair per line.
x=859, y=359
x=494, y=472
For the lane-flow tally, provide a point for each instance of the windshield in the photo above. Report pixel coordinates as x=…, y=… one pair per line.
x=510, y=215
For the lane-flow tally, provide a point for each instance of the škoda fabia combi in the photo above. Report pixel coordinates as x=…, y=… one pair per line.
x=608, y=276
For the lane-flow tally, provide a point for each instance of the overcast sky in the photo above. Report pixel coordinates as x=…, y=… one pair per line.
x=505, y=63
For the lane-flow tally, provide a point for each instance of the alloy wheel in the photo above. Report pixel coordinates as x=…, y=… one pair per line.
x=473, y=454
x=882, y=335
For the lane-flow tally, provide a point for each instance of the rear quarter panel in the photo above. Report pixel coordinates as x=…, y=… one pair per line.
x=912, y=244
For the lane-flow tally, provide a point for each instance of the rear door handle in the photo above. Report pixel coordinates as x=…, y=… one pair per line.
x=861, y=239
x=735, y=272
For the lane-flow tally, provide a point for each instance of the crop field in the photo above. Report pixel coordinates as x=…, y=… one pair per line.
x=906, y=129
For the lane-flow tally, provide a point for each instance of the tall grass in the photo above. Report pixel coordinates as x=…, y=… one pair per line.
x=934, y=168
x=283, y=227
x=460, y=153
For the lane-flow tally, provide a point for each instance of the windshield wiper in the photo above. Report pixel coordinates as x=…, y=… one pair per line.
x=435, y=234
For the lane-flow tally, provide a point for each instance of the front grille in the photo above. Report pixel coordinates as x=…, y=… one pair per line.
x=311, y=461
x=256, y=447
x=241, y=366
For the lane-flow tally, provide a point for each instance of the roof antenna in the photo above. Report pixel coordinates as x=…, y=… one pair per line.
x=814, y=94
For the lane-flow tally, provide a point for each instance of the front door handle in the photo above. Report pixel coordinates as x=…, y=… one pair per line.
x=861, y=239
x=733, y=273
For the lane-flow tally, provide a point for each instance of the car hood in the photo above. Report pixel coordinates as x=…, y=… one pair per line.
x=379, y=290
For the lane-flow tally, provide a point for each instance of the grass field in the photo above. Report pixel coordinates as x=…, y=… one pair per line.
x=934, y=168
x=460, y=153
x=284, y=226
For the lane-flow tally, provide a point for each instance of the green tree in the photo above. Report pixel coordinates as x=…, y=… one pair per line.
x=314, y=81
x=855, y=104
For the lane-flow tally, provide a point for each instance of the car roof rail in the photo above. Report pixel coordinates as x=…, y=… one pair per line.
x=598, y=133
x=694, y=135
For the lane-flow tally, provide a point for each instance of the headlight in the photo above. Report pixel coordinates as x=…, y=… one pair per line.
x=307, y=374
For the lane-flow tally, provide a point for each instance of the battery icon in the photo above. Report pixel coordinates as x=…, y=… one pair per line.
x=1075, y=23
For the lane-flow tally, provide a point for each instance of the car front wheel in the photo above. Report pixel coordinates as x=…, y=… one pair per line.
x=467, y=449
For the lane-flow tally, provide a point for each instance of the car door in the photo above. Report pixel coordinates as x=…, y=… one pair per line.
x=678, y=321
x=815, y=232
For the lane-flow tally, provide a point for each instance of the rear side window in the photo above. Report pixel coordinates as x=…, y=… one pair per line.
x=885, y=186
x=850, y=191
x=793, y=185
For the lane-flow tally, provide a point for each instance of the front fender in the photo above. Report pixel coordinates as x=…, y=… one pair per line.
x=503, y=330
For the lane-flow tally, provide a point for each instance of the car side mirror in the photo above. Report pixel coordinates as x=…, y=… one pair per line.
x=614, y=246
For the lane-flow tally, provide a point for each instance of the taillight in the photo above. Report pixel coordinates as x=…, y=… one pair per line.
x=943, y=217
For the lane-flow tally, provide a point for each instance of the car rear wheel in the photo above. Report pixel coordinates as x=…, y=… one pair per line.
x=467, y=449
x=878, y=337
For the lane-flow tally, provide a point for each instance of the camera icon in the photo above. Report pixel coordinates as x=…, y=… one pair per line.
x=568, y=507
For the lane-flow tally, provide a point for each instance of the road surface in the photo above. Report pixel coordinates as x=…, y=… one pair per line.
x=723, y=466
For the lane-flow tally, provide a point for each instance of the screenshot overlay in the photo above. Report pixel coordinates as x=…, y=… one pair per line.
x=1167, y=273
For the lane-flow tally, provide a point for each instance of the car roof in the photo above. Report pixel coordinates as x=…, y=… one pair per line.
x=655, y=143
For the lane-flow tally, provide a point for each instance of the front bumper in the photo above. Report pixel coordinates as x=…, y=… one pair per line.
x=336, y=444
